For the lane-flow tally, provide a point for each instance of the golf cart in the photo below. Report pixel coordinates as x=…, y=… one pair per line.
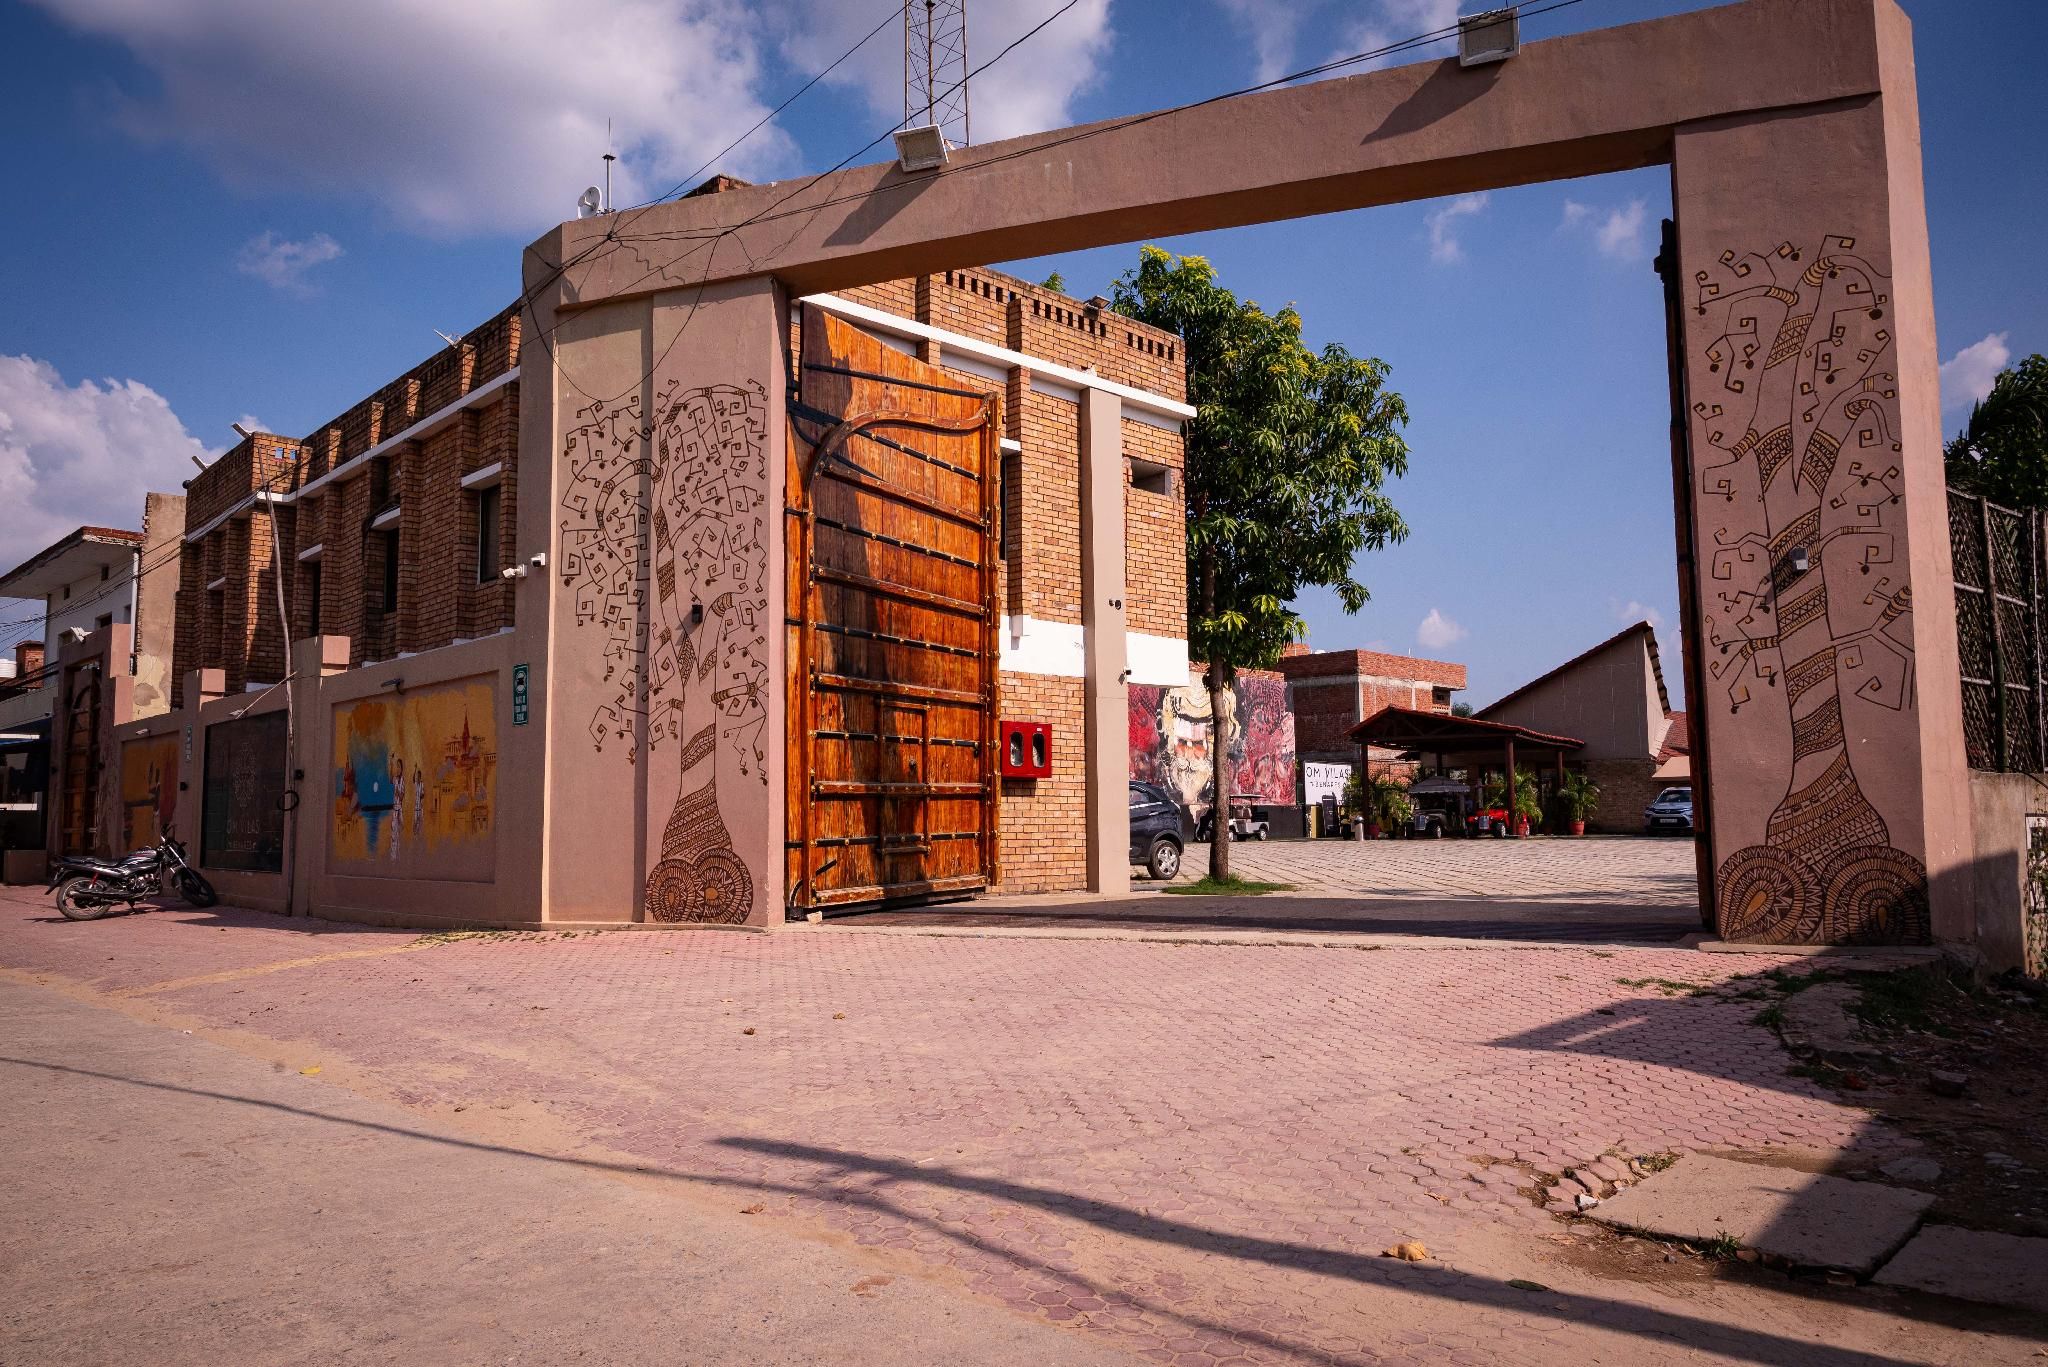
x=1242, y=824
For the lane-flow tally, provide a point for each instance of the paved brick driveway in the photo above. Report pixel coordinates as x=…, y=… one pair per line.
x=1601, y=890
x=1197, y=1152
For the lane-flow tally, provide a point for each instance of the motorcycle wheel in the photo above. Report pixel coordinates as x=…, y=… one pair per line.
x=195, y=889
x=79, y=904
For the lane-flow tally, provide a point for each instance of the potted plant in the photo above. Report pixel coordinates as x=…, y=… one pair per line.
x=1353, y=803
x=1386, y=805
x=1525, y=810
x=1578, y=797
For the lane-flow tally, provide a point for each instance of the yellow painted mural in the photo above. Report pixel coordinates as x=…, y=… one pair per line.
x=415, y=783
x=149, y=789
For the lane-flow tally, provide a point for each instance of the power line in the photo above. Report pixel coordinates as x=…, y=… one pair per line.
x=767, y=118
x=707, y=238
x=710, y=241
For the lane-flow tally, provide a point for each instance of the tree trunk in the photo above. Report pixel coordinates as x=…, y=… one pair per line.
x=1221, y=708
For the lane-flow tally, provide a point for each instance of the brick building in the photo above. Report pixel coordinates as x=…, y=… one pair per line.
x=419, y=591
x=108, y=625
x=1331, y=691
x=393, y=515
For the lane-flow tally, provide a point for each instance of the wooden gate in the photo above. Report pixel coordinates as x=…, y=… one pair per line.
x=891, y=506
x=81, y=740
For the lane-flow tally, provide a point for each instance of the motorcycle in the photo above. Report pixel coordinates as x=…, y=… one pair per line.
x=89, y=888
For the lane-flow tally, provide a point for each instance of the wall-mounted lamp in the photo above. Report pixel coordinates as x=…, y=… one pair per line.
x=1797, y=560
x=394, y=683
x=696, y=614
x=922, y=148
x=1492, y=36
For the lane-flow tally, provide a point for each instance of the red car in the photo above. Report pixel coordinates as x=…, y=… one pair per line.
x=1488, y=821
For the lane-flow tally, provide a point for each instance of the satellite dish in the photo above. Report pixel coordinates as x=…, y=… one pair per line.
x=588, y=203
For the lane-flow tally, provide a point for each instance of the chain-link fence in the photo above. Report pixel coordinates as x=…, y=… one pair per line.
x=1998, y=582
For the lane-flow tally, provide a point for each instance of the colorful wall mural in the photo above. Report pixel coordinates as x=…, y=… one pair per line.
x=1170, y=731
x=149, y=789
x=415, y=784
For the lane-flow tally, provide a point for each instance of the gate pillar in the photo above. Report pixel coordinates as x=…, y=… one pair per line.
x=664, y=691
x=1839, y=809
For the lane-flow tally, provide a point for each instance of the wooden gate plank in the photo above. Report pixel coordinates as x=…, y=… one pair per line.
x=892, y=500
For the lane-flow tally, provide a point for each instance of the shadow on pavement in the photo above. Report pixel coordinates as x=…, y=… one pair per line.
x=1660, y=1325
x=1555, y=919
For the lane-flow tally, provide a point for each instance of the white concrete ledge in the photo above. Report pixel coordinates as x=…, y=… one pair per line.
x=1046, y=376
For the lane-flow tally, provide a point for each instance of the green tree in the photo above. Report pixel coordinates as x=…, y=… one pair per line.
x=2003, y=451
x=1055, y=281
x=1286, y=457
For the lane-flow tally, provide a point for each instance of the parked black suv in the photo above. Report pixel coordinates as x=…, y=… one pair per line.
x=1156, y=840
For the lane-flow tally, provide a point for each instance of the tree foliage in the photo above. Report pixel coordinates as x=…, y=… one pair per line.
x=1287, y=456
x=1286, y=459
x=2003, y=451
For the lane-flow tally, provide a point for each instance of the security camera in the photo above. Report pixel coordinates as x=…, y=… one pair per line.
x=539, y=560
x=513, y=572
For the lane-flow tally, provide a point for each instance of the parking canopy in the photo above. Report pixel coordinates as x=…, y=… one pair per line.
x=1416, y=732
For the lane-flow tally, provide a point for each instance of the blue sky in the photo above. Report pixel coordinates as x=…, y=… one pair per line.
x=233, y=209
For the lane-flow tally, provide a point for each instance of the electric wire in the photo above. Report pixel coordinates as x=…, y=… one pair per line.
x=707, y=239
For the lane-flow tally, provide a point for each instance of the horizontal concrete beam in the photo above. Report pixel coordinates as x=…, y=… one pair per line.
x=1585, y=104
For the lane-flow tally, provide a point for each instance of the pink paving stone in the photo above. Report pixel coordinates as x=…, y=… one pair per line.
x=1051, y=1116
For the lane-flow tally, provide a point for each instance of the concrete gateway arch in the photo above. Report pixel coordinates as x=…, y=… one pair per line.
x=1811, y=505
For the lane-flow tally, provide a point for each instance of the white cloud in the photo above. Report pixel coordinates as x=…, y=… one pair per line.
x=1393, y=21
x=1032, y=89
x=1633, y=611
x=456, y=116
x=1438, y=631
x=282, y=263
x=1618, y=233
x=1442, y=222
x=73, y=455
x=1272, y=26
x=1966, y=376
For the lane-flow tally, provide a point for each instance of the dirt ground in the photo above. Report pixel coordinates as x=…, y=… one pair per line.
x=1991, y=1140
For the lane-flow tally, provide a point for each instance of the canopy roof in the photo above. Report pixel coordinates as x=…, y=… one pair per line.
x=1407, y=728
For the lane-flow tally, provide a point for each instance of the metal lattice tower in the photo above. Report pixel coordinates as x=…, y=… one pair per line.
x=935, y=66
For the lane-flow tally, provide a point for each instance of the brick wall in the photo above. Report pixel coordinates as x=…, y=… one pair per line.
x=1626, y=788
x=1044, y=822
x=1331, y=691
x=236, y=628
x=1155, y=535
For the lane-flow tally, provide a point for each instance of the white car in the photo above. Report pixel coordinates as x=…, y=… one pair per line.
x=1671, y=810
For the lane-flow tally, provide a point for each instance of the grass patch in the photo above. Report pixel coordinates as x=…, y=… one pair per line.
x=1227, y=887
x=1771, y=1017
x=1722, y=1248
x=1667, y=986
x=449, y=937
x=1909, y=999
x=1657, y=1162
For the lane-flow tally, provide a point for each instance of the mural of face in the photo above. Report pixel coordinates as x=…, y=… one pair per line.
x=1171, y=730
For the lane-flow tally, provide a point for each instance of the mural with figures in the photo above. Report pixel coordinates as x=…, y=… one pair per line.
x=1807, y=612
x=664, y=510
x=149, y=789
x=1170, y=731
x=414, y=785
